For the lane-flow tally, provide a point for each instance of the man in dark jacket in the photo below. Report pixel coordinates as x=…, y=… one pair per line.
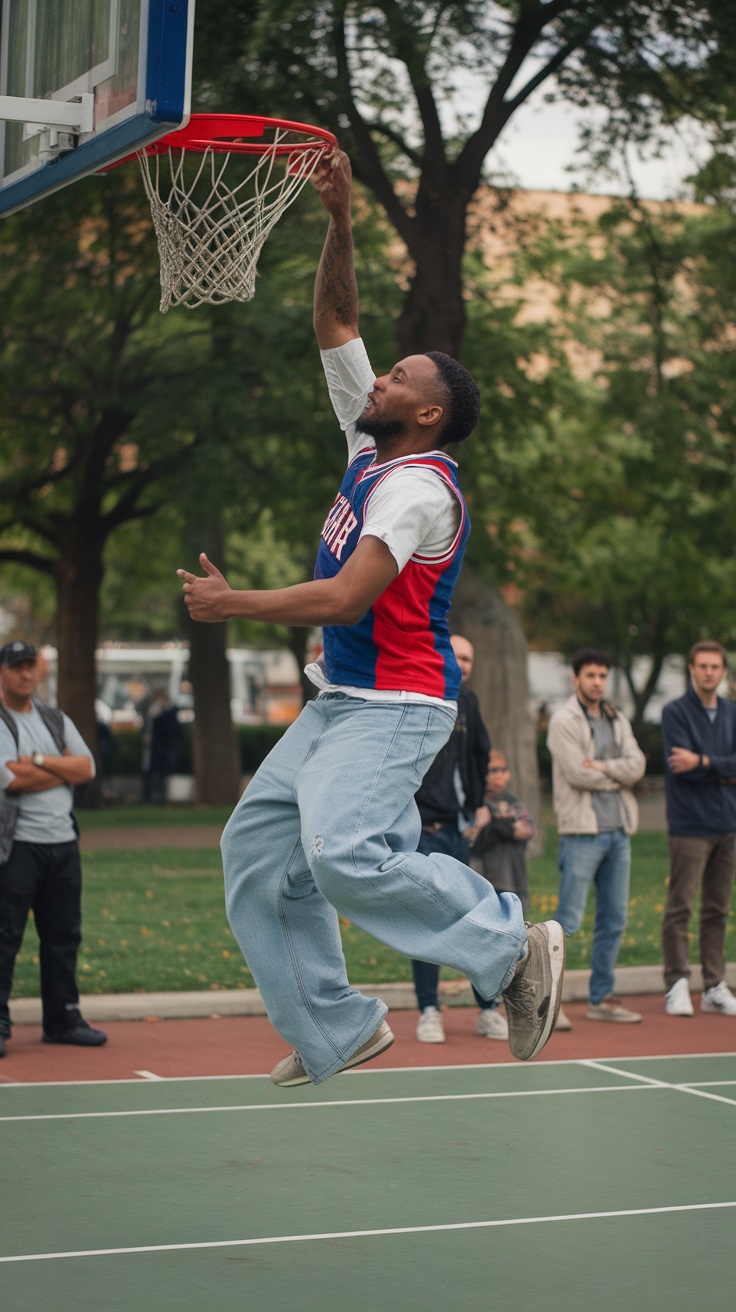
x=699, y=738
x=450, y=803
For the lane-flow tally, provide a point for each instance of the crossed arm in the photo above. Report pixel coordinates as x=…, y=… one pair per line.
x=66, y=769
x=590, y=775
x=684, y=758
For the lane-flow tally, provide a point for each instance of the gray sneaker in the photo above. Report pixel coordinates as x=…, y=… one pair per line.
x=533, y=996
x=611, y=1009
x=290, y=1071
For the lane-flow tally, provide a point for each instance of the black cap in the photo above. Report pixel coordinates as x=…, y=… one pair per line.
x=15, y=652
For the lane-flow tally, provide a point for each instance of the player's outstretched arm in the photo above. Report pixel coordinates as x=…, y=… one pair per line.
x=335, y=288
x=344, y=599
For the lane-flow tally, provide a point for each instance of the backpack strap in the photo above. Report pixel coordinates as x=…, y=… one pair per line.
x=9, y=721
x=54, y=721
x=51, y=716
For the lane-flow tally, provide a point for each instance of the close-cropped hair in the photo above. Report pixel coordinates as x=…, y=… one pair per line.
x=589, y=656
x=707, y=645
x=460, y=395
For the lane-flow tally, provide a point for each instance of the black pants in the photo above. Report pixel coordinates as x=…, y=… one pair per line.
x=47, y=879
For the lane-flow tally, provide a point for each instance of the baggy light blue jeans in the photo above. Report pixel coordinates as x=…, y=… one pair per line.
x=328, y=827
x=603, y=859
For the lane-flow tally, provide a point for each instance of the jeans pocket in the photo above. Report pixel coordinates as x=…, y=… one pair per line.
x=439, y=727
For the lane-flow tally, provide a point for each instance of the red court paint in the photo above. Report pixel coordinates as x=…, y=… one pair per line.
x=250, y=1046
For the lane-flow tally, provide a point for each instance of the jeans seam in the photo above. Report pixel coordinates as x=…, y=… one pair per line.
x=293, y=957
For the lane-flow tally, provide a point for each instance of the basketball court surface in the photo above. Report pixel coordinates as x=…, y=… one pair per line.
x=604, y=1181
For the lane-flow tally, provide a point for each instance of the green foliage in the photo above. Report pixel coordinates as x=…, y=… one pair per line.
x=627, y=540
x=256, y=741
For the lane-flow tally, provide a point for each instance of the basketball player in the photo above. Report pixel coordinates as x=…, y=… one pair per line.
x=329, y=827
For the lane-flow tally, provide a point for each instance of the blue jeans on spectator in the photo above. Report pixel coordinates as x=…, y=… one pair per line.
x=329, y=827
x=449, y=840
x=605, y=860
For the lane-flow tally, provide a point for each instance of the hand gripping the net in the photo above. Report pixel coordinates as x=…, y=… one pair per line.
x=211, y=220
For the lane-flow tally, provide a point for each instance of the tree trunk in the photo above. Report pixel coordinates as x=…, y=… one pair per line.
x=78, y=576
x=500, y=682
x=433, y=315
x=642, y=696
x=215, y=751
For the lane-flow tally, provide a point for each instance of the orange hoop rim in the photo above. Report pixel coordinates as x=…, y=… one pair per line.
x=225, y=133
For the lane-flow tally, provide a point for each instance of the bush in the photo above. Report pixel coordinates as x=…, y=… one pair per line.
x=255, y=740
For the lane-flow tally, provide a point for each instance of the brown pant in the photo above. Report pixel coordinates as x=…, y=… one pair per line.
x=709, y=864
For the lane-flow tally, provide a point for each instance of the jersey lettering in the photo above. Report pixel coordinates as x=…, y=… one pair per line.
x=338, y=526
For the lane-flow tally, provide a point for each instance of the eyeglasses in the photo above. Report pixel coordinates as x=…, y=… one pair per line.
x=497, y=769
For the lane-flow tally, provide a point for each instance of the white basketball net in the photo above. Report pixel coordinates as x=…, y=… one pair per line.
x=210, y=233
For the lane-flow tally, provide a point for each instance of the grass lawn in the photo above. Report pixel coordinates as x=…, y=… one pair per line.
x=154, y=920
x=135, y=816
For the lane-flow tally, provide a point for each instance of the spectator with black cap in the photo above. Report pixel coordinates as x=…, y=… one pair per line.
x=42, y=758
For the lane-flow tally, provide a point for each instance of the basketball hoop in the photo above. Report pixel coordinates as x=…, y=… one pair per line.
x=210, y=230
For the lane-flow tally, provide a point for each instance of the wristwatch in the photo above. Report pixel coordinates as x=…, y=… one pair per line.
x=38, y=759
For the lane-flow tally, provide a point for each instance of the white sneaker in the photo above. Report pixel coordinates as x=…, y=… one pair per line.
x=719, y=999
x=430, y=1028
x=677, y=1001
x=491, y=1024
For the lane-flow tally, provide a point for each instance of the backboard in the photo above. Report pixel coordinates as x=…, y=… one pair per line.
x=112, y=76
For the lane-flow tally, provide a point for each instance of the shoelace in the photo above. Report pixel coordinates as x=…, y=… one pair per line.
x=522, y=999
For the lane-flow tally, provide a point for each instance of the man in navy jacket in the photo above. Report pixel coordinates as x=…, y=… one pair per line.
x=699, y=736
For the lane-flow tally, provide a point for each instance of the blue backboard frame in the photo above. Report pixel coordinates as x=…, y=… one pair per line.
x=167, y=103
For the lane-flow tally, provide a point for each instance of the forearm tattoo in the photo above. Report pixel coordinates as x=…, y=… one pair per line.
x=337, y=289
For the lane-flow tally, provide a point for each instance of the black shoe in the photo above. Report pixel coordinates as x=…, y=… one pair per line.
x=80, y=1034
x=2, y=1045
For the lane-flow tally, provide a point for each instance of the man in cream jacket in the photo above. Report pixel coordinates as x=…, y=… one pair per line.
x=595, y=762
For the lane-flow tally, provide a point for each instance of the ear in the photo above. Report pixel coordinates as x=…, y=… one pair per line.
x=430, y=415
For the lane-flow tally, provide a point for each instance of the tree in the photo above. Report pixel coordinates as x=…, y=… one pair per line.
x=96, y=406
x=633, y=542
x=384, y=76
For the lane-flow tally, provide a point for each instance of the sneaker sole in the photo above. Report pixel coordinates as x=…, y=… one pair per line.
x=357, y=1060
x=717, y=1011
x=381, y=1045
x=291, y=1084
x=555, y=941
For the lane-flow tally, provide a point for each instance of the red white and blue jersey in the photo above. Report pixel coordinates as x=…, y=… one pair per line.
x=403, y=642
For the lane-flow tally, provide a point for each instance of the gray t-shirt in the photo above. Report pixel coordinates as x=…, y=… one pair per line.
x=607, y=806
x=42, y=817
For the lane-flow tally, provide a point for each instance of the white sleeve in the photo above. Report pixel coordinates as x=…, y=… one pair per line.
x=414, y=512
x=349, y=380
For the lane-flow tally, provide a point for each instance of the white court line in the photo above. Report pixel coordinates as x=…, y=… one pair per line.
x=336, y=1102
x=370, y=1234
x=658, y=1084
x=359, y=1074
x=707, y=1084
x=148, y=1075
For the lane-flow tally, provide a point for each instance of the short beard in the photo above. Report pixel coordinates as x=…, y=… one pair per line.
x=381, y=430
